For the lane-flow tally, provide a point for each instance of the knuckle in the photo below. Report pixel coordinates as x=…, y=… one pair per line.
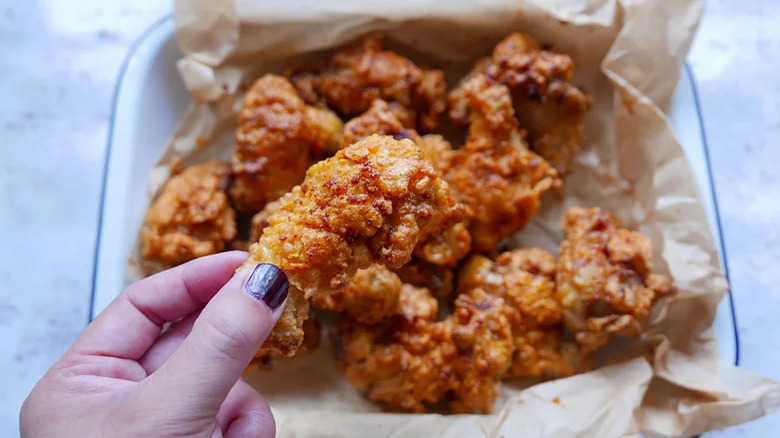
x=228, y=338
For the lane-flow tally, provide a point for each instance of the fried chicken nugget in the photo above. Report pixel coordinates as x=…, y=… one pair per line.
x=605, y=279
x=496, y=176
x=525, y=279
x=191, y=218
x=371, y=202
x=353, y=78
x=276, y=133
x=547, y=105
x=449, y=247
x=371, y=295
x=412, y=361
x=311, y=341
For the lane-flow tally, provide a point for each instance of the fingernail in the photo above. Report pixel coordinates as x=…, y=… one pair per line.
x=267, y=283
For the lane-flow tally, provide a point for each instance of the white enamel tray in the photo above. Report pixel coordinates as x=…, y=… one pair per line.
x=150, y=100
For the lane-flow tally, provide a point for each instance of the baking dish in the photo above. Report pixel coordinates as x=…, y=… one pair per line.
x=150, y=99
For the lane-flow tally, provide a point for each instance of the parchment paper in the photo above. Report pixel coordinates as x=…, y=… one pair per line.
x=628, y=55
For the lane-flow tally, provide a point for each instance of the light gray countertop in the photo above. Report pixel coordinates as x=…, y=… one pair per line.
x=58, y=64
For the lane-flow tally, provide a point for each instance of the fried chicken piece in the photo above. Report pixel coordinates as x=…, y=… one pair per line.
x=605, y=279
x=371, y=202
x=371, y=295
x=496, y=176
x=447, y=248
x=311, y=341
x=191, y=218
x=378, y=119
x=525, y=279
x=323, y=129
x=412, y=361
x=438, y=279
x=353, y=78
x=437, y=150
x=547, y=105
x=276, y=132
x=481, y=332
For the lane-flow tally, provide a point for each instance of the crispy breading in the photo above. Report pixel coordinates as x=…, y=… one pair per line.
x=353, y=78
x=323, y=129
x=525, y=279
x=371, y=295
x=496, y=177
x=311, y=341
x=378, y=119
x=275, y=136
x=605, y=279
x=412, y=361
x=371, y=202
x=447, y=248
x=547, y=105
x=191, y=218
x=437, y=150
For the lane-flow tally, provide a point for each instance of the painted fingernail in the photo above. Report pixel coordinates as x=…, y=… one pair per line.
x=268, y=284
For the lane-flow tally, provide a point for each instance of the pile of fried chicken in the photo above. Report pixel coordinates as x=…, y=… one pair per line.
x=381, y=221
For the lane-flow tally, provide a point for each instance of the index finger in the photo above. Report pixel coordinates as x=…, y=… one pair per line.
x=133, y=321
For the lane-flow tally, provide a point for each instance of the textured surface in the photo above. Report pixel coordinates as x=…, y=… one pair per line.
x=58, y=64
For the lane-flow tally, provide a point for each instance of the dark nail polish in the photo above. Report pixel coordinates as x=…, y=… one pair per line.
x=267, y=283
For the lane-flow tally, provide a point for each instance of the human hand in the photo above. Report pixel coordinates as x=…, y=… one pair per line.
x=125, y=377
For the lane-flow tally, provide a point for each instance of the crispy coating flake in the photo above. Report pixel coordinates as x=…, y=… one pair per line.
x=353, y=78
x=444, y=249
x=371, y=295
x=525, y=279
x=605, y=279
x=371, y=202
x=191, y=218
x=276, y=132
x=496, y=176
x=547, y=105
x=412, y=361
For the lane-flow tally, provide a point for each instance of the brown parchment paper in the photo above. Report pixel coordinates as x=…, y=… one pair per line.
x=628, y=55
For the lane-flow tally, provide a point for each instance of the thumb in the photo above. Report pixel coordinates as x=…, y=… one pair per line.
x=224, y=339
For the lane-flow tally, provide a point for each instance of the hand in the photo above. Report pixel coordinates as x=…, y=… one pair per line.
x=127, y=377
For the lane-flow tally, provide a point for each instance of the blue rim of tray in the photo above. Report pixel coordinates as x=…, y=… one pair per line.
x=166, y=18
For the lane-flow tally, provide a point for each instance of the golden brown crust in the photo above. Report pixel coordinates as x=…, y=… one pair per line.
x=496, y=176
x=323, y=129
x=605, y=280
x=353, y=78
x=371, y=202
x=547, y=105
x=276, y=133
x=311, y=341
x=371, y=295
x=378, y=119
x=191, y=218
x=412, y=362
x=525, y=279
x=444, y=249
x=447, y=248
